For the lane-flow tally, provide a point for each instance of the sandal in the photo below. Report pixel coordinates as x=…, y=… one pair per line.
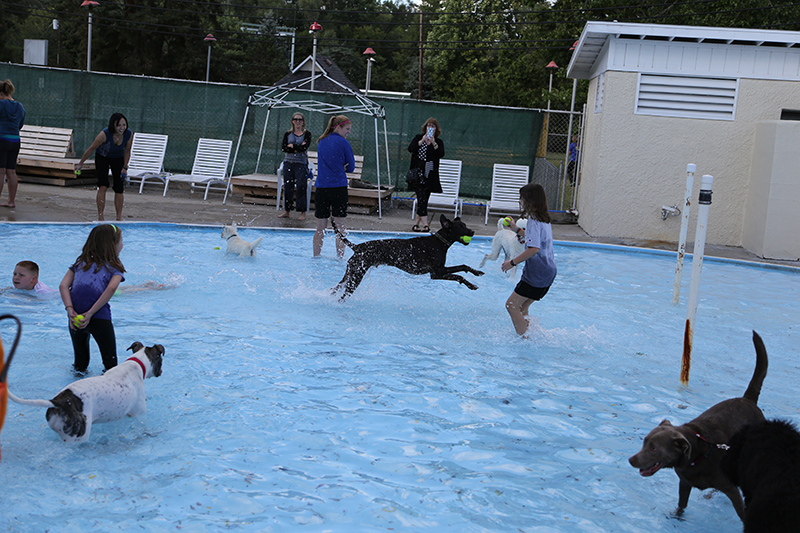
x=426, y=229
x=415, y=228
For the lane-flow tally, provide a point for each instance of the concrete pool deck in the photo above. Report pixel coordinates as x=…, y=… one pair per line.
x=47, y=203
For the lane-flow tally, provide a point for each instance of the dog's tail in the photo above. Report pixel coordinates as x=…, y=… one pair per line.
x=255, y=243
x=35, y=403
x=341, y=235
x=754, y=388
x=500, y=225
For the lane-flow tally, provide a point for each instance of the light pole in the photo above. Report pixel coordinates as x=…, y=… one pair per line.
x=89, y=4
x=552, y=67
x=369, y=52
x=313, y=29
x=209, y=39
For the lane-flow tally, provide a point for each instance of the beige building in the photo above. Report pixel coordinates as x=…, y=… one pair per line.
x=661, y=97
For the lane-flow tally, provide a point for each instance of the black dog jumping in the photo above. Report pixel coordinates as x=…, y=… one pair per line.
x=419, y=255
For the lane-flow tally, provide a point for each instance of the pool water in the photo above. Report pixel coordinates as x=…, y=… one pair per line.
x=411, y=406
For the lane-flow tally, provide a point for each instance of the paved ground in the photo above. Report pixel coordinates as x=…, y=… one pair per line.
x=45, y=203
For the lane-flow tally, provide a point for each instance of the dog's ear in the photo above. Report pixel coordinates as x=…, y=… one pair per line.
x=681, y=444
x=136, y=346
x=443, y=220
x=665, y=422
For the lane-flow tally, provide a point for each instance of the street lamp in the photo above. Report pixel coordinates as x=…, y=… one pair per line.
x=552, y=67
x=89, y=4
x=313, y=29
x=369, y=52
x=209, y=39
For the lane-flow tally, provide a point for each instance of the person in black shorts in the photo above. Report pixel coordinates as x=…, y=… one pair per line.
x=113, y=151
x=334, y=160
x=12, y=118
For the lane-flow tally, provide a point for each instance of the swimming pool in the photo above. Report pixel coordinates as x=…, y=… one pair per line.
x=411, y=406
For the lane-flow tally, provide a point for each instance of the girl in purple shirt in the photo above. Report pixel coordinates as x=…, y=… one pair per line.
x=86, y=290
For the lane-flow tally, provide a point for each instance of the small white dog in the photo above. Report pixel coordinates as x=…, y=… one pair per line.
x=117, y=393
x=506, y=240
x=237, y=245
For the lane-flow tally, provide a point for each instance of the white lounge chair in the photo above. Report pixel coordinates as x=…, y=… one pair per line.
x=210, y=166
x=312, y=167
x=450, y=178
x=147, y=158
x=507, y=180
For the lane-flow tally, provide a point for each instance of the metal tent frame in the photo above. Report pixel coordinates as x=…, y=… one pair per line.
x=275, y=98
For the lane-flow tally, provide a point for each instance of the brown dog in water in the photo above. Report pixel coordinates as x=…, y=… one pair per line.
x=695, y=449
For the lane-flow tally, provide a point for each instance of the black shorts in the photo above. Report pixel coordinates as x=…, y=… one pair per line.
x=8, y=154
x=330, y=201
x=103, y=164
x=529, y=291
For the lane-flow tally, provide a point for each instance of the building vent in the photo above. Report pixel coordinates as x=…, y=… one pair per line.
x=686, y=97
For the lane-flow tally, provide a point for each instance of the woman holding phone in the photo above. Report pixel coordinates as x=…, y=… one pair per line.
x=426, y=150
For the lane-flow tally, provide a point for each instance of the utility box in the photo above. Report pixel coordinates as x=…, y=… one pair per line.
x=36, y=52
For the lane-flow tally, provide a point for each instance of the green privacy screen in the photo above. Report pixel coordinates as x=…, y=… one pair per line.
x=479, y=136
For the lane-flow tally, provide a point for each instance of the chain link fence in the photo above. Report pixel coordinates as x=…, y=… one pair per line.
x=557, y=168
x=479, y=136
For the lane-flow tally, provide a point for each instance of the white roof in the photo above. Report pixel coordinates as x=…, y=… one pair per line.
x=596, y=34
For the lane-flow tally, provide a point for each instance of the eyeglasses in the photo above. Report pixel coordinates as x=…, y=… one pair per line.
x=299, y=119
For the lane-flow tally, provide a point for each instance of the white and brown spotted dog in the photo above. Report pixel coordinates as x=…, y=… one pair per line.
x=506, y=241
x=237, y=245
x=117, y=393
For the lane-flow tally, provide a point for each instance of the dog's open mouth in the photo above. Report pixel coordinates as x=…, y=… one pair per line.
x=647, y=472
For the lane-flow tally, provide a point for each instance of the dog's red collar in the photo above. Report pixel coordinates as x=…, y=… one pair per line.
x=144, y=371
x=723, y=447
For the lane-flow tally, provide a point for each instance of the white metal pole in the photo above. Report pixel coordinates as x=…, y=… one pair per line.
x=291, y=61
x=691, y=168
x=378, y=164
x=89, y=45
x=263, y=134
x=236, y=153
x=388, y=168
x=569, y=141
x=697, y=266
x=369, y=73
x=208, y=62
x=314, y=61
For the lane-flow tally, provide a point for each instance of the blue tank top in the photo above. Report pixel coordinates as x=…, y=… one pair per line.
x=109, y=149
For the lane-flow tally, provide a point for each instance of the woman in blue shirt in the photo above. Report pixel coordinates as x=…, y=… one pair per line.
x=334, y=160
x=12, y=118
x=113, y=146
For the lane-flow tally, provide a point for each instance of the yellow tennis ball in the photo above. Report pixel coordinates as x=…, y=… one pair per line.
x=78, y=172
x=78, y=319
x=466, y=239
x=507, y=221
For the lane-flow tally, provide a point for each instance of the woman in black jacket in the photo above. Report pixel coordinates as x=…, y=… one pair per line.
x=295, y=166
x=426, y=150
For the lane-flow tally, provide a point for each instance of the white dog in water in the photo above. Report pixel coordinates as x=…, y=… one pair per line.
x=237, y=245
x=506, y=240
x=115, y=394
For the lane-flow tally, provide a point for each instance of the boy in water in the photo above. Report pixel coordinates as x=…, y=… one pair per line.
x=26, y=278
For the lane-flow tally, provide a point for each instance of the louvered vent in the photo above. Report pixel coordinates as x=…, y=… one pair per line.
x=686, y=97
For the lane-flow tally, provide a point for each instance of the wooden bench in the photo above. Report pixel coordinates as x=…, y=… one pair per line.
x=262, y=189
x=47, y=155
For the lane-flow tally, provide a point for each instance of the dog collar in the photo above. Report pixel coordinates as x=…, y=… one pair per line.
x=232, y=236
x=443, y=239
x=144, y=371
x=723, y=447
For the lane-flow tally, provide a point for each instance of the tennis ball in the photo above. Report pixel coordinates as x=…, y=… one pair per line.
x=507, y=221
x=466, y=239
x=78, y=319
x=78, y=172
x=216, y=248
